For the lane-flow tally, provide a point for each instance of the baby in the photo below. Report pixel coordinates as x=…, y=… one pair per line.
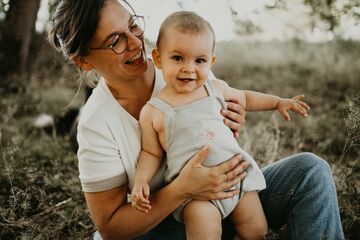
x=185, y=116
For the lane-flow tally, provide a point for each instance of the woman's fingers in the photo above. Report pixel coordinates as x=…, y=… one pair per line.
x=234, y=182
x=206, y=183
x=235, y=172
x=237, y=119
x=225, y=194
x=229, y=165
x=236, y=134
x=236, y=107
x=200, y=156
x=234, y=115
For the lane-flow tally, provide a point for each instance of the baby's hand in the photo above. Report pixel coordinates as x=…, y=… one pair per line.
x=294, y=104
x=140, y=196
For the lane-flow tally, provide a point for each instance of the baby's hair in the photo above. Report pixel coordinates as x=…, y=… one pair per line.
x=185, y=22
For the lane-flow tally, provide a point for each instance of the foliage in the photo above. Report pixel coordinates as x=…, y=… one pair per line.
x=353, y=120
x=330, y=11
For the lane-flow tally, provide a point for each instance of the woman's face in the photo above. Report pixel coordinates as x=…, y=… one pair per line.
x=132, y=62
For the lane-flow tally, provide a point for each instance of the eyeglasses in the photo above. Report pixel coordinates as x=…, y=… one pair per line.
x=119, y=42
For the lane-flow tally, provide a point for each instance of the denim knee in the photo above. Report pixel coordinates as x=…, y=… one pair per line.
x=309, y=162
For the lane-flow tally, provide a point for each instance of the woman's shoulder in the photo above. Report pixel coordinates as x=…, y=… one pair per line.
x=98, y=107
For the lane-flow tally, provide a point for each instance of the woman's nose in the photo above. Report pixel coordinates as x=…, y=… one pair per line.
x=133, y=41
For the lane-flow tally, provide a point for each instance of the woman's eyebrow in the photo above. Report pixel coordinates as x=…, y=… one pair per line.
x=117, y=32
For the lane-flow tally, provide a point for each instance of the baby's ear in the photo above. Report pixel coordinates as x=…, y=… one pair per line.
x=213, y=60
x=156, y=57
x=82, y=63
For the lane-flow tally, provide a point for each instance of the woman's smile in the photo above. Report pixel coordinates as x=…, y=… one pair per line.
x=137, y=59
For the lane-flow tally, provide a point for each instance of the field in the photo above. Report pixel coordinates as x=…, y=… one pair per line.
x=40, y=194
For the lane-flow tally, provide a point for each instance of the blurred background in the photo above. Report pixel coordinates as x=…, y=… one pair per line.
x=282, y=47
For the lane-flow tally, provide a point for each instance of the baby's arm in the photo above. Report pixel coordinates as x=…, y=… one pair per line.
x=149, y=160
x=256, y=101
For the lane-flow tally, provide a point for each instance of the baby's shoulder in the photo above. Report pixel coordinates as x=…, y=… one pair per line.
x=149, y=112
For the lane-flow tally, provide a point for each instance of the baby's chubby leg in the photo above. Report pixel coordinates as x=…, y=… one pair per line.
x=202, y=220
x=248, y=218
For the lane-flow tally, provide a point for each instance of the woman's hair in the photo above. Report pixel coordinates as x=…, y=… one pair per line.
x=186, y=22
x=74, y=24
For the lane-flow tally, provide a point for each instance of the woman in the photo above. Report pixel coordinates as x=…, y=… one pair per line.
x=107, y=36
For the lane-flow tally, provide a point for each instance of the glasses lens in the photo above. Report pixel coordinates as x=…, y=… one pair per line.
x=119, y=43
x=137, y=26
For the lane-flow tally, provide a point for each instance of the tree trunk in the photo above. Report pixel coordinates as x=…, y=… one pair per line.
x=19, y=26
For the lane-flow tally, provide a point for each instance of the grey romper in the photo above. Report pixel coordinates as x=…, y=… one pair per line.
x=190, y=127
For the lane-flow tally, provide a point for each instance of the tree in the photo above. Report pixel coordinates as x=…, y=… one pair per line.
x=17, y=31
x=327, y=11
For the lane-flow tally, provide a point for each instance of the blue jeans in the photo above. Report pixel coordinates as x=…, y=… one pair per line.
x=300, y=193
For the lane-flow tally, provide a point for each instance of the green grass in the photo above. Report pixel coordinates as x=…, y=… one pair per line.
x=40, y=194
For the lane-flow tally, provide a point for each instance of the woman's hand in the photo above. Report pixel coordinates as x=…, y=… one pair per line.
x=209, y=183
x=234, y=116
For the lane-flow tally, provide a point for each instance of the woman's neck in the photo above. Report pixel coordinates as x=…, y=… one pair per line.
x=132, y=94
x=132, y=88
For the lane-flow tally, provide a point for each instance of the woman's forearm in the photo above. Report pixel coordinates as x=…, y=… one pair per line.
x=126, y=222
x=116, y=219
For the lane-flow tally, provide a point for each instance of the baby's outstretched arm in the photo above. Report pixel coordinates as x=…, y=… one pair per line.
x=148, y=163
x=256, y=101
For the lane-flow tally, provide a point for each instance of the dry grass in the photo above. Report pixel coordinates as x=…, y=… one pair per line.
x=40, y=194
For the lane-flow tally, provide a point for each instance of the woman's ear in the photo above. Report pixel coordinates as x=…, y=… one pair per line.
x=156, y=57
x=82, y=63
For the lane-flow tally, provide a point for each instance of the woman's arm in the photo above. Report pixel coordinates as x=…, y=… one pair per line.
x=116, y=219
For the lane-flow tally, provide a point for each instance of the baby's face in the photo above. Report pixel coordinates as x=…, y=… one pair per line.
x=186, y=59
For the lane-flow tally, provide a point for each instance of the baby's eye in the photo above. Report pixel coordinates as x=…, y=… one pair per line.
x=200, y=60
x=176, y=58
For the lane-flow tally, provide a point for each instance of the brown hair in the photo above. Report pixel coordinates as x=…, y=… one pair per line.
x=74, y=24
x=186, y=22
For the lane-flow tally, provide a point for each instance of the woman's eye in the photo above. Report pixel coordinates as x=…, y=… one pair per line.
x=134, y=25
x=115, y=41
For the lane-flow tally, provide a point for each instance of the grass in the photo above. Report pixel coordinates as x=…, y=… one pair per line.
x=40, y=194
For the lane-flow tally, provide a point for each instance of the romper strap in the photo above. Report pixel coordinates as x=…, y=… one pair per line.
x=160, y=104
x=210, y=88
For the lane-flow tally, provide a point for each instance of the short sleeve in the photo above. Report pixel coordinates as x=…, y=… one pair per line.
x=100, y=163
